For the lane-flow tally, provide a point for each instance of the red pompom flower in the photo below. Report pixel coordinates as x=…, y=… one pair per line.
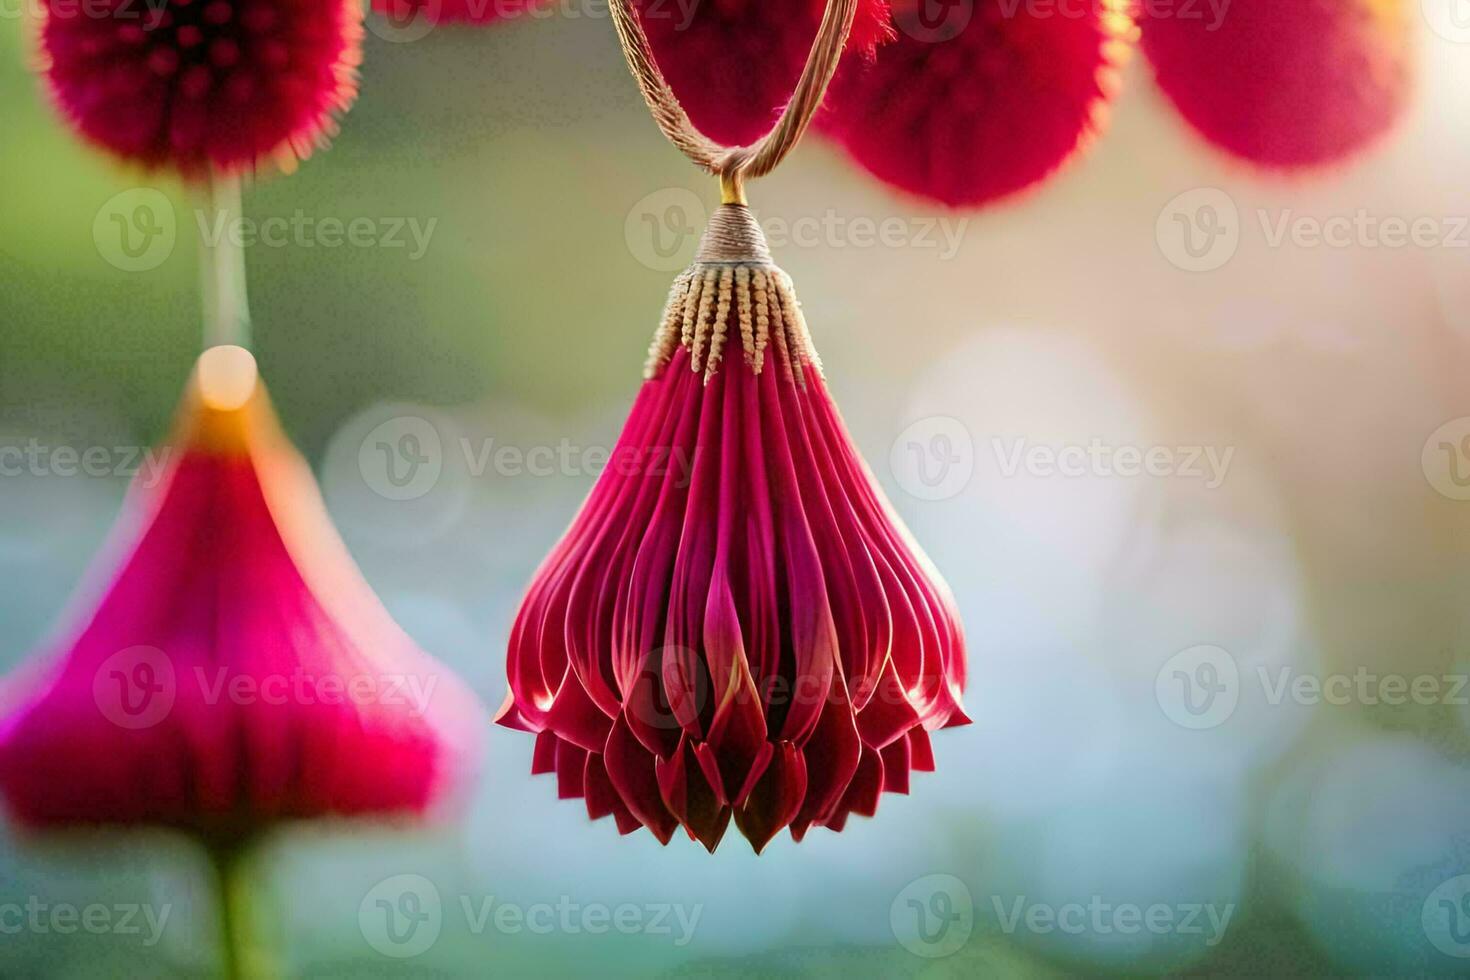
x=1284, y=83
x=978, y=100
x=236, y=671
x=733, y=63
x=203, y=84
x=736, y=625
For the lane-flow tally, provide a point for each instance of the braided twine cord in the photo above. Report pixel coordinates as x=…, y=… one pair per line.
x=733, y=165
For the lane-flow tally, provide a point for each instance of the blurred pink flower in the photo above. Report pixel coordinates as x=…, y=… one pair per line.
x=236, y=671
x=976, y=101
x=1286, y=84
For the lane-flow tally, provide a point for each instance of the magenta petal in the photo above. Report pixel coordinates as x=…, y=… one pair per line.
x=602, y=797
x=571, y=767
x=832, y=757
x=688, y=793
x=866, y=786
x=543, y=756
x=576, y=719
x=896, y=767
x=774, y=799
x=510, y=716
x=888, y=715
x=921, y=750
x=630, y=768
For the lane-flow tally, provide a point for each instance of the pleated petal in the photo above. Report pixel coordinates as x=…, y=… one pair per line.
x=746, y=632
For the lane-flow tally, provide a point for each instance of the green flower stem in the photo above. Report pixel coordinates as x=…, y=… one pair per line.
x=242, y=955
x=222, y=262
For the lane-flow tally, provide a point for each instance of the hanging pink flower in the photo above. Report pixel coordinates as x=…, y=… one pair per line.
x=737, y=625
x=235, y=671
x=195, y=85
x=978, y=100
x=1284, y=83
x=733, y=63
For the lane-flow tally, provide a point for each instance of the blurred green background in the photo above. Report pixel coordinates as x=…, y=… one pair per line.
x=1327, y=835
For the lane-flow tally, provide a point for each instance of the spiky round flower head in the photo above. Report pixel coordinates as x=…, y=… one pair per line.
x=201, y=85
x=736, y=626
x=233, y=670
x=977, y=100
x=733, y=63
x=1284, y=83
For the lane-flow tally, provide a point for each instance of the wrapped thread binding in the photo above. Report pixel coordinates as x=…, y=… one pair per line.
x=733, y=275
